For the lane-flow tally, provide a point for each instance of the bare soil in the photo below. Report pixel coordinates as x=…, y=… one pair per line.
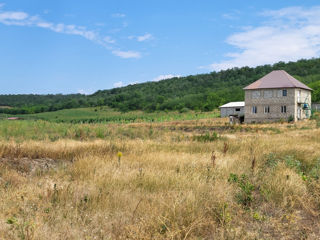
x=29, y=166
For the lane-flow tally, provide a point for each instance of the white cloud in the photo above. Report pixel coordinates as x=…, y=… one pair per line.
x=163, y=77
x=142, y=38
x=288, y=35
x=19, y=18
x=145, y=37
x=118, y=84
x=127, y=54
x=295, y=14
x=2, y=5
x=228, y=16
x=85, y=92
x=233, y=15
x=133, y=83
x=122, y=84
x=13, y=16
x=108, y=39
x=23, y=19
x=118, y=15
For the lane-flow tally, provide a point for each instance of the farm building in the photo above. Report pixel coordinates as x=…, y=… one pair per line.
x=277, y=96
x=232, y=109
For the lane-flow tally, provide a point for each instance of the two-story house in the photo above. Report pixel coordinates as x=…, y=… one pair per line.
x=277, y=96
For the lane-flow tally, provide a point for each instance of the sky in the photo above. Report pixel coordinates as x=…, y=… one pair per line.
x=78, y=46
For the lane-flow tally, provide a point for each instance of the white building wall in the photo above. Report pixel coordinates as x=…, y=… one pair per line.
x=227, y=111
x=302, y=96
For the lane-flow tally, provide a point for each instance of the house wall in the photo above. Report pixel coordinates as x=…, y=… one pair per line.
x=227, y=111
x=305, y=97
x=272, y=98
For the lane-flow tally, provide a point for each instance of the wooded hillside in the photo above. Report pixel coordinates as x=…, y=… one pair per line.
x=198, y=92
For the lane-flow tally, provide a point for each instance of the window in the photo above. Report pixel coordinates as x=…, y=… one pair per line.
x=237, y=109
x=283, y=109
x=255, y=94
x=254, y=109
x=267, y=94
x=267, y=109
x=284, y=92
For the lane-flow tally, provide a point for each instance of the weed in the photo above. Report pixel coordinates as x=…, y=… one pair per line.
x=119, y=157
x=291, y=162
x=256, y=216
x=223, y=214
x=272, y=160
x=243, y=197
x=290, y=119
x=225, y=147
x=206, y=137
x=213, y=159
x=315, y=170
x=23, y=228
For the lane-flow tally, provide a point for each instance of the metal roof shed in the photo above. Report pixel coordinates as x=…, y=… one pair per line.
x=232, y=109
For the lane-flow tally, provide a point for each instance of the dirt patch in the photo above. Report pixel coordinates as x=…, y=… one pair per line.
x=229, y=136
x=29, y=166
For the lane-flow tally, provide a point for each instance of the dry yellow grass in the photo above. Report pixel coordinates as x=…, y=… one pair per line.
x=165, y=185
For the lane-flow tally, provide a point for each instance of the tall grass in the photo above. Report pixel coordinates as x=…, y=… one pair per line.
x=165, y=186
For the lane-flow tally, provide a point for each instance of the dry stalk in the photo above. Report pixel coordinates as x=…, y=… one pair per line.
x=213, y=159
x=135, y=210
x=225, y=148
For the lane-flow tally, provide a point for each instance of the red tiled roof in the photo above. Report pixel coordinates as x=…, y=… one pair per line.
x=277, y=79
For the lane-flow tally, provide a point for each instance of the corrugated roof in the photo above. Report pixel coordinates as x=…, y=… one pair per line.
x=233, y=104
x=277, y=79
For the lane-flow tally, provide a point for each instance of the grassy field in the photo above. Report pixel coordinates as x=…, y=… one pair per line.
x=107, y=115
x=191, y=179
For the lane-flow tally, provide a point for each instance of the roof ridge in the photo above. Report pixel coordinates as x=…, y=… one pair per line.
x=277, y=79
x=293, y=78
x=287, y=76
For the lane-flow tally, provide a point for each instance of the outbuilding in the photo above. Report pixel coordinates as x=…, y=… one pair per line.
x=232, y=109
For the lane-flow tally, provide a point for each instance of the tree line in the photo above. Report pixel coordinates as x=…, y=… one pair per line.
x=203, y=92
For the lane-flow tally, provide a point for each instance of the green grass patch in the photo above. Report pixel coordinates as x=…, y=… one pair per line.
x=107, y=115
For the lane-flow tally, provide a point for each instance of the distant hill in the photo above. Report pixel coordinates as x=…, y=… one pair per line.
x=198, y=92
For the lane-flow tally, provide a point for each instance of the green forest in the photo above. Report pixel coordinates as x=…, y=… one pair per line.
x=203, y=92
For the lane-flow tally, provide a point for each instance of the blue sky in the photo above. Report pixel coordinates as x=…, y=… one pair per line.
x=68, y=46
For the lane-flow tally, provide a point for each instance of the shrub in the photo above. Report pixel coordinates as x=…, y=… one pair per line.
x=243, y=197
x=290, y=119
x=184, y=110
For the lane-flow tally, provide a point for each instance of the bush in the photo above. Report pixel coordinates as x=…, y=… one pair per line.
x=243, y=197
x=290, y=119
x=184, y=110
